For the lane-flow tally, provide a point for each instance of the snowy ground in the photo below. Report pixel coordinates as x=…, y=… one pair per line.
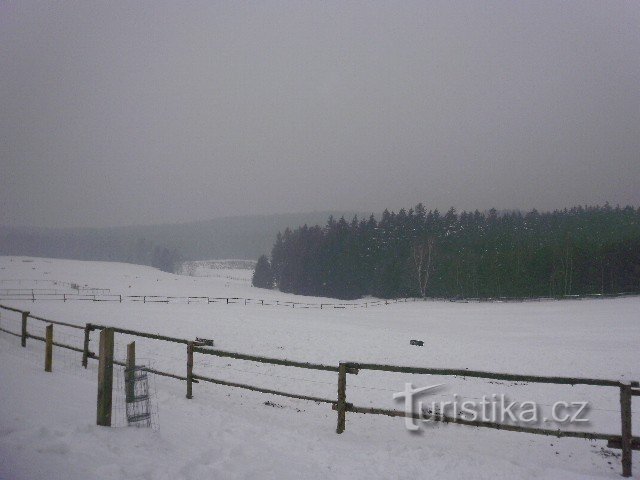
x=47, y=420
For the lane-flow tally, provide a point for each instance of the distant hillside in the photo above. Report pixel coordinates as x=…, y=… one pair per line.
x=244, y=237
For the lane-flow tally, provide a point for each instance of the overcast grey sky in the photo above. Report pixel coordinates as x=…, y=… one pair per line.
x=116, y=113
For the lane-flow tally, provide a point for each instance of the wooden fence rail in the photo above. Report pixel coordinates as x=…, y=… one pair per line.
x=490, y=375
x=33, y=296
x=625, y=440
x=102, y=295
x=193, y=348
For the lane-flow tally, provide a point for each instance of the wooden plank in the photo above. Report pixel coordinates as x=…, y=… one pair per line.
x=25, y=316
x=48, y=352
x=479, y=423
x=85, y=347
x=274, y=361
x=105, y=378
x=11, y=309
x=56, y=322
x=136, y=333
x=130, y=391
x=262, y=390
x=93, y=356
x=10, y=332
x=617, y=444
x=626, y=440
x=165, y=374
x=57, y=344
x=190, y=370
x=492, y=375
x=342, y=397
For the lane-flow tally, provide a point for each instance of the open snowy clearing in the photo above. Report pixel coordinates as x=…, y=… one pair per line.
x=47, y=421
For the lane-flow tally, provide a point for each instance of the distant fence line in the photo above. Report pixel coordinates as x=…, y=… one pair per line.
x=35, y=295
x=104, y=295
x=52, y=283
x=625, y=441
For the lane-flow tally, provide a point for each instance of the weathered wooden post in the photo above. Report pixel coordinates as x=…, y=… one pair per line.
x=625, y=413
x=105, y=377
x=23, y=337
x=342, y=396
x=190, y=370
x=48, y=351
x=85, y=348
x=130, y=390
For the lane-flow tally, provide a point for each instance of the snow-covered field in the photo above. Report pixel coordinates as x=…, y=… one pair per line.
x=47, y=421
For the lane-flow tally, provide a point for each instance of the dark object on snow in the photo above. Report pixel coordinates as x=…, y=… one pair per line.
x=419, y=343
x=204, y=342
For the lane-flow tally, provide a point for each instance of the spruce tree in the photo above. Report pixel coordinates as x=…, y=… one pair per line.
x=262, y=275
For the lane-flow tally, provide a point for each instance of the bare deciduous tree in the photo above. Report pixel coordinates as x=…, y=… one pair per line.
x=422, y=256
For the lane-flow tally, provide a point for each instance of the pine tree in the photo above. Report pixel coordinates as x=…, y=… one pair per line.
x=262, y=275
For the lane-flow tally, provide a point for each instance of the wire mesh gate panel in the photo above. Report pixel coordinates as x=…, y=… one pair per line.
x=135, y=402
x=136, y=387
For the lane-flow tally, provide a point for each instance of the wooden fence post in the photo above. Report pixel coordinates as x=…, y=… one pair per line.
x=23, y=338
x=625, y=413
x=85, y=348
x=130, y=374
x=342, y=396
x=105, y=377
x=190, y=370
x=48, y=352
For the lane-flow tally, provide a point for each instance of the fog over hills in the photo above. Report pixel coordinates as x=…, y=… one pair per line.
x=244, y=237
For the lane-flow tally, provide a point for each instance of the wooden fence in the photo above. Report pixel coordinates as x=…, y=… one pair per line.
x=624, y=441
x=33, y=295
x=15, y=286
x=103, y=295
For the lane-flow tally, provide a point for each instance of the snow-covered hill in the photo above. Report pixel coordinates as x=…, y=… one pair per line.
x=47, y=421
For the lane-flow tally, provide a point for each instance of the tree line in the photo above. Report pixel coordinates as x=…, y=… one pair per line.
x=419, y=253
x=89, y=245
